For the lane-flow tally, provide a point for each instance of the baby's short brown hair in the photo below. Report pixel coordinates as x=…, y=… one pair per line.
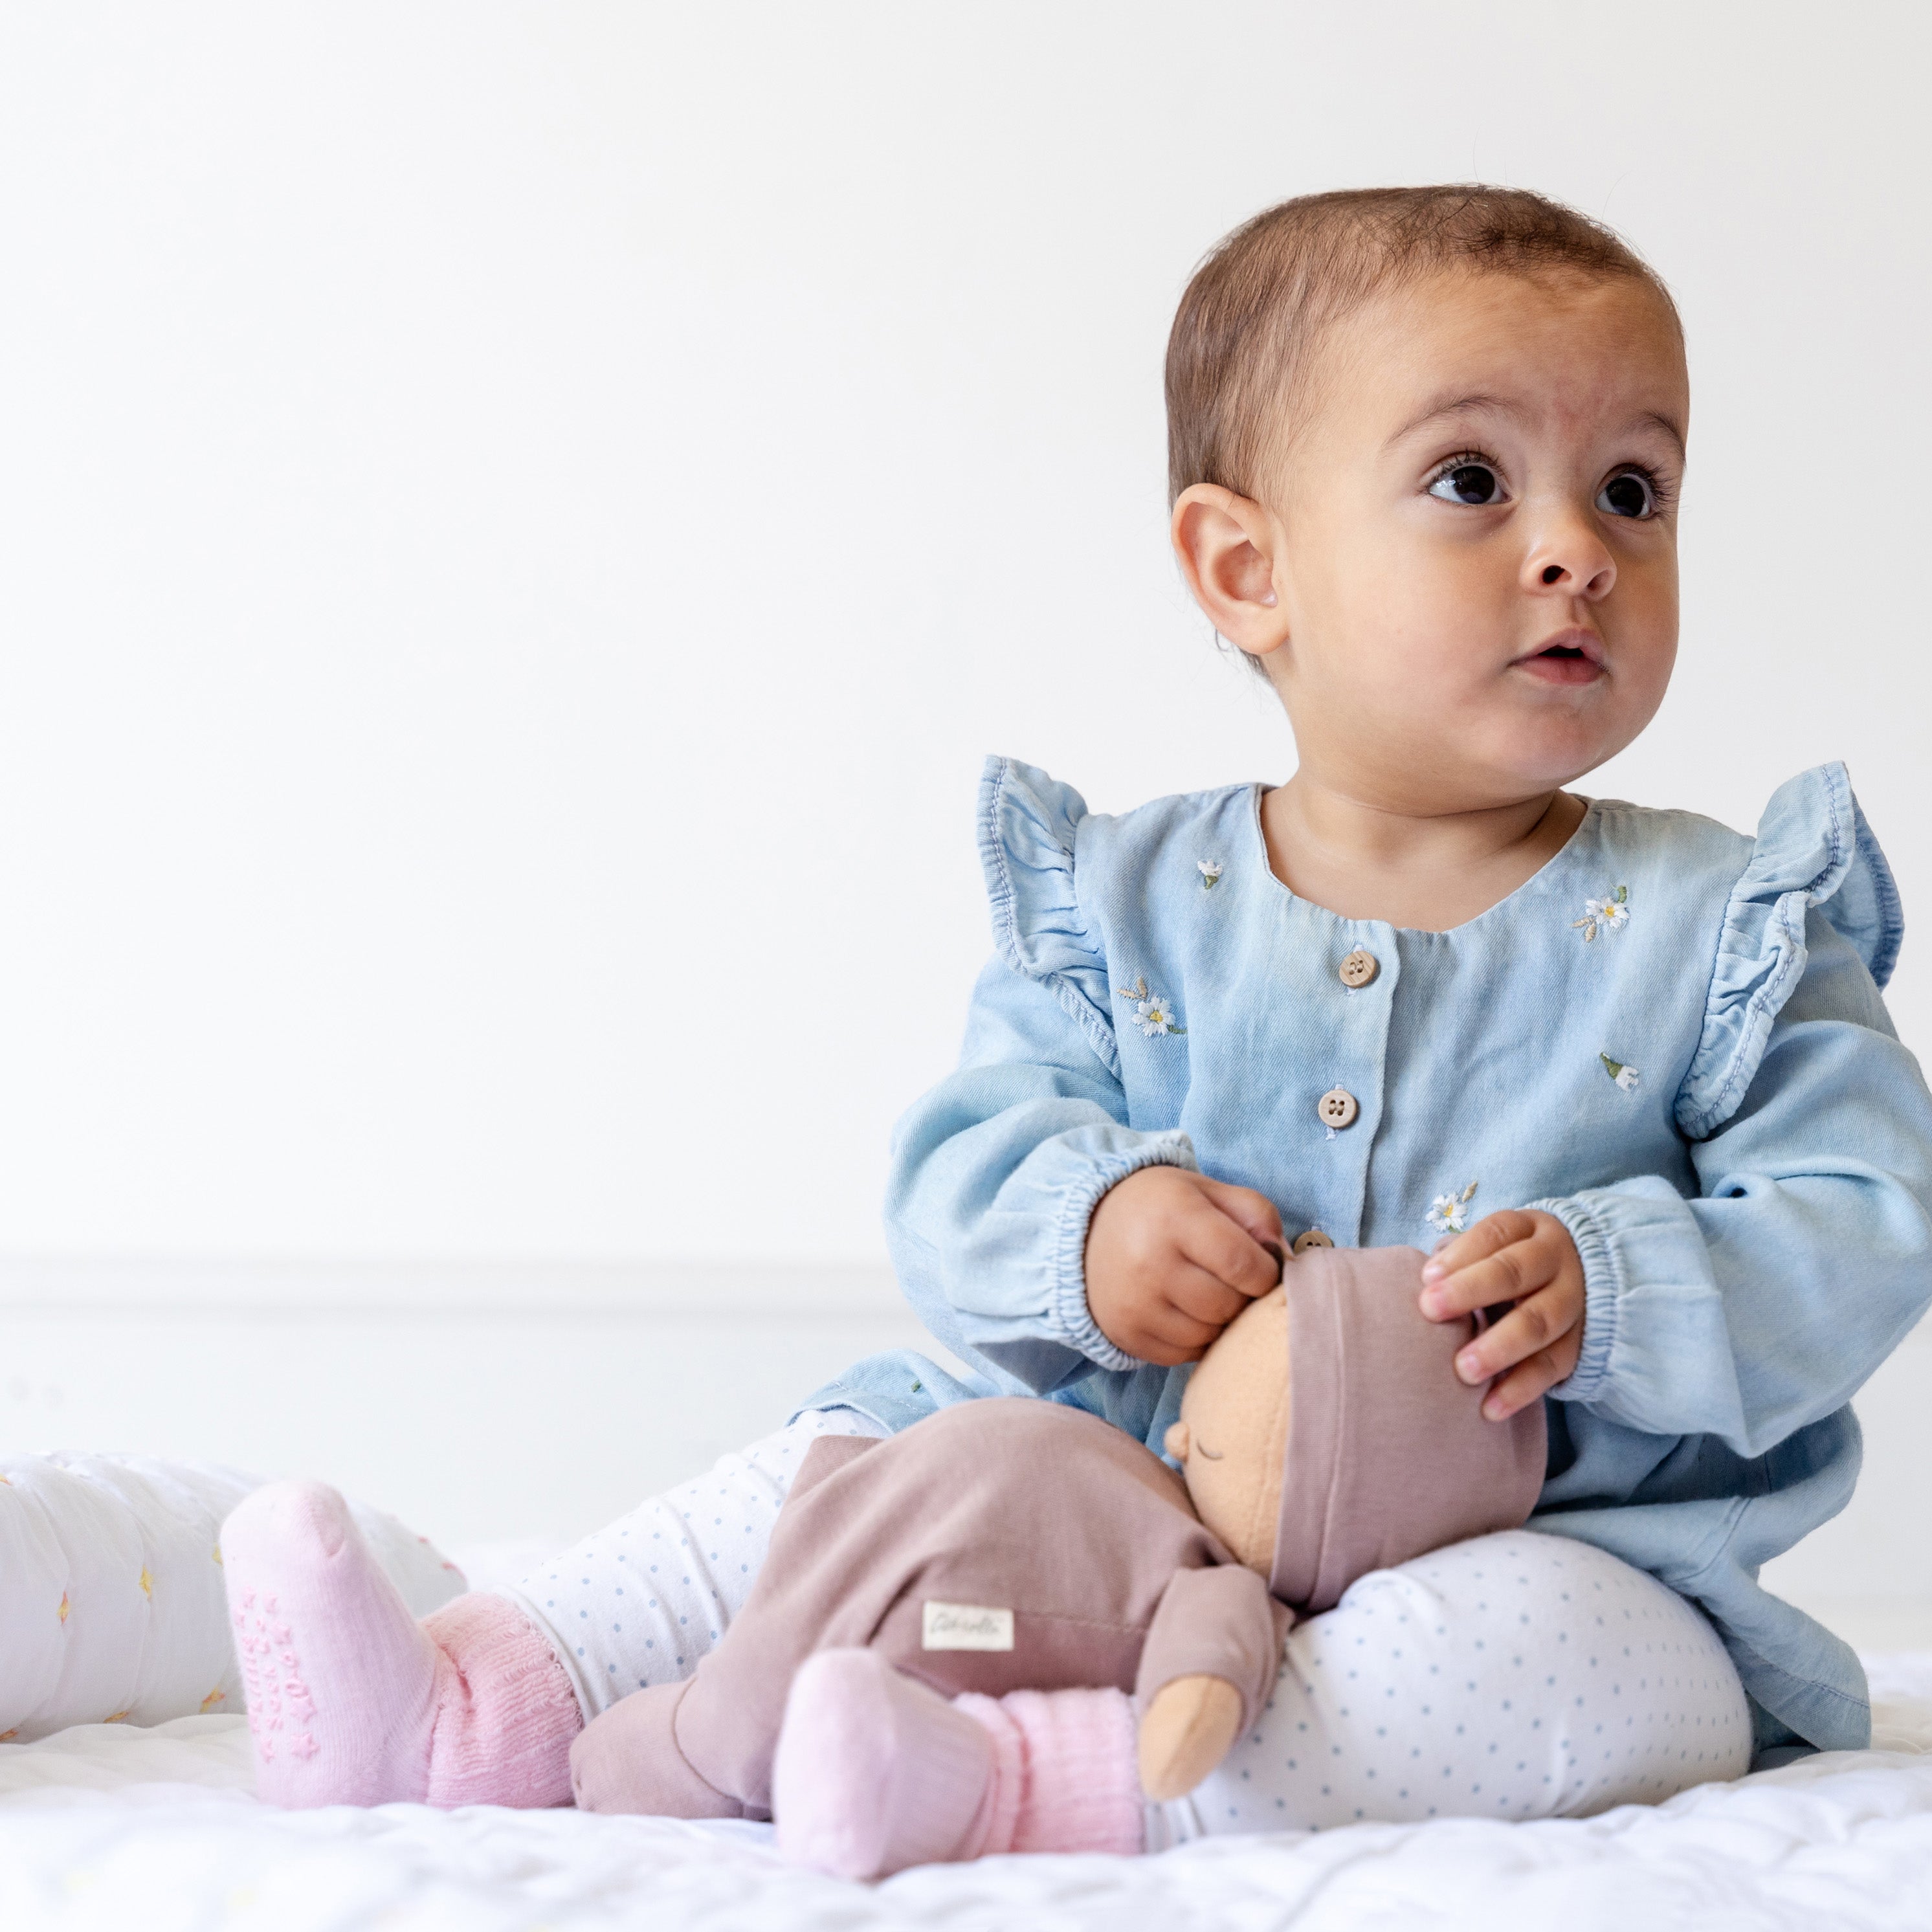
x=1243, y=340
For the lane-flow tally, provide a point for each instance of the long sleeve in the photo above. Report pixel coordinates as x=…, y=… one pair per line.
x=1762, y=1304
x=1218, y=1622
x=994, y=1175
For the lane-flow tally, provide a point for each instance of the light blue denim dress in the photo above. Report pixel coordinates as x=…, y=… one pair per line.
x=1671, y=1037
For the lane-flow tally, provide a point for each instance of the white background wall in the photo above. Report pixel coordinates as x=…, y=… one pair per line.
x=518, y=522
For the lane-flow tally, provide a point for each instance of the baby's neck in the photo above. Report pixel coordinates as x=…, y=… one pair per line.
x=1366, y=861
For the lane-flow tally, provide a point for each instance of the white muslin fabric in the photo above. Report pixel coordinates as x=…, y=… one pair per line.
x=1513, y=1676
x=112, y=1609
x=640, y=1601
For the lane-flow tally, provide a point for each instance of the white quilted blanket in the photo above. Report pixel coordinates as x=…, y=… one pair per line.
x=108, y=1826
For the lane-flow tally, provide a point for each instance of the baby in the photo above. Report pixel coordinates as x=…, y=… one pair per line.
x=1630, y=1069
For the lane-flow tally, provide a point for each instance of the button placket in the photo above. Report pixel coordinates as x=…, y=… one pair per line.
x=1343, y=1031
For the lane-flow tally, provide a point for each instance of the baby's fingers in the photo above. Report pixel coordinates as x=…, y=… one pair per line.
x=1169, y=1335
x=1213, y=1241
x=1528, y=1381
x=1199, y=1296
x=1544, y=1322
x=1497, y=1260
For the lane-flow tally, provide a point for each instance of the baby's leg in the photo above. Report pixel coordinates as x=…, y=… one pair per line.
x=640, y=1601
x=352, y=1701
x=1513, y=1676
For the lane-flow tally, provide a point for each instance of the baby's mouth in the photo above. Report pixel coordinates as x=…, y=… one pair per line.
x=1571, y=657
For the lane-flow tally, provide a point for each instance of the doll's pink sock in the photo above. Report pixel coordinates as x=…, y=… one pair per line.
x=875, y=1772
x=1065, y=1771
x=353, y=1702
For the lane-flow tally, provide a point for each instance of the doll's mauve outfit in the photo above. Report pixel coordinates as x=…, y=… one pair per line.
x=1007, y=1545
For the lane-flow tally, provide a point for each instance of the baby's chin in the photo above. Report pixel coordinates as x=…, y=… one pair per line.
x=1523, y=762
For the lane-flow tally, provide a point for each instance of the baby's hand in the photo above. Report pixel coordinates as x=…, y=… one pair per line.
x=1172, y=1257
x=1526, y=1256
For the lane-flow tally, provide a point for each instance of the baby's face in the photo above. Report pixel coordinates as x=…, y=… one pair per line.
x=1476, y=565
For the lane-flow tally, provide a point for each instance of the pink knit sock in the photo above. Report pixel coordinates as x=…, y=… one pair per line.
x=353, y=1702
x=1065, y=1776
x=874, y=1772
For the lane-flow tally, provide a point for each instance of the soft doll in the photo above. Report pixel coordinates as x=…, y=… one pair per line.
x=881, y=1690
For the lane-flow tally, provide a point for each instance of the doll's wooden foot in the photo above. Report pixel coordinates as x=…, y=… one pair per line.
x=1189, y=1727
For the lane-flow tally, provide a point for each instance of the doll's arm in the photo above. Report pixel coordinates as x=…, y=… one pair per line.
x=1211, y=1653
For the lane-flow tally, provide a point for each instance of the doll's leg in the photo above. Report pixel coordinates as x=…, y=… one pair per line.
x=1513, y=1676
x=874, y=1771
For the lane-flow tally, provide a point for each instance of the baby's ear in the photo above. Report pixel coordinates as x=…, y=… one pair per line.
x=1178, y=1440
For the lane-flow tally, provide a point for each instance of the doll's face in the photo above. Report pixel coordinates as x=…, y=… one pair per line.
x=1233, y=1431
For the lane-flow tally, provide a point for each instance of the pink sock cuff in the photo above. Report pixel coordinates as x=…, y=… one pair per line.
x=1065, y=1775
x=506, y=1714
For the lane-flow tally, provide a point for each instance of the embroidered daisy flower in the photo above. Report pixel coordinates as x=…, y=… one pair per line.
x=1155, y=1015
x=1606, y=914
x=1152, y=1014
x=1210, y=870
x=1449, y=1214
x=1626, y=1077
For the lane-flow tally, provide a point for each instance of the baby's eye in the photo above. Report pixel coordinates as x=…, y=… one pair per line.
x=1467, y=481
x=1629, y=494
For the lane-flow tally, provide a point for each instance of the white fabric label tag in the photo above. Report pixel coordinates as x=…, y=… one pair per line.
x=966, y=1627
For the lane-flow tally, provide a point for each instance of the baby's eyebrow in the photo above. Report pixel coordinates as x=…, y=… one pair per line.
x=1657, y=419
x=1480, y=404
x=1457, y=406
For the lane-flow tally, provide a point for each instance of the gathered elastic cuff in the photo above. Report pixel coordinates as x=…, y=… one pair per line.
x=1603, y=1299
x=1072, y=1320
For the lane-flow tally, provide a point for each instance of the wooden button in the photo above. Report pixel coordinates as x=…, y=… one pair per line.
x=1337, y=1108
x=1359, y=968
x=1313, y=1238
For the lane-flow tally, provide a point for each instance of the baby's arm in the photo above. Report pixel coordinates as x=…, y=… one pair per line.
x=996, y=1174
x=1762, y=1304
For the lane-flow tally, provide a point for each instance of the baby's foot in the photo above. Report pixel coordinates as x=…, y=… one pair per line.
x=342, y=1681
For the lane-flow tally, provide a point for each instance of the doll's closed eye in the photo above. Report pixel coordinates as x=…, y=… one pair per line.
x=1213, y=1455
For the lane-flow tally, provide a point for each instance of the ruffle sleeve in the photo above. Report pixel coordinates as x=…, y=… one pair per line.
x=1028, y=825
x=1813, y=849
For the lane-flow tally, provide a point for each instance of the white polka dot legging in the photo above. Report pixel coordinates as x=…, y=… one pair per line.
x=643, y=1599
x=1514, y=1676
